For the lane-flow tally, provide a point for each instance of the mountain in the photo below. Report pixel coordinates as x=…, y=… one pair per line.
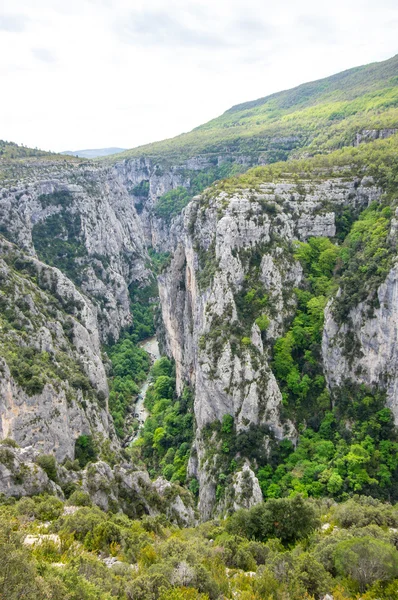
x=93, y=153
x=313, y=117
x=260, y=249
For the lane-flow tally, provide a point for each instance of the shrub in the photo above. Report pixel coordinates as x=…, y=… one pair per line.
x=9, y=442
x=366, y=560
x=288, y=519
x=49, y=509
x=79, y=498
x=48, y=463
x=85, y=450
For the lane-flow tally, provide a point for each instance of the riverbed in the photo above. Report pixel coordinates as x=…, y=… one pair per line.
x=151, y=346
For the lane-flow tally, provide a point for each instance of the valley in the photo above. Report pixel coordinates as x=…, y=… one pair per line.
x=199, y=352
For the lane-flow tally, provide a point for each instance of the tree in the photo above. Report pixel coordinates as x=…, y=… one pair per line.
x=288, y=519
x=366, y=560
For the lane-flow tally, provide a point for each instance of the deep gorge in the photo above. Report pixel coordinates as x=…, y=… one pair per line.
x=263, y=261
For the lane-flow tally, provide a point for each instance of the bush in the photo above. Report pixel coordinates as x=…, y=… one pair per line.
x=366, y=560
x=26, y=506
x=9, y=442
x=82, y=522
x=48, y=463
x=79, y=498
x=49, y=509
x=288, y=519
x=85, y=450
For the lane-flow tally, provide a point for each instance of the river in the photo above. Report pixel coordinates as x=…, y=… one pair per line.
x=151, y=346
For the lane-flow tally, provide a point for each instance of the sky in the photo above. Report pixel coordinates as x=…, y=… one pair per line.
x=79, y=74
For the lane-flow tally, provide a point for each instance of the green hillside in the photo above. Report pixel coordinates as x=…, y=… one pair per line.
x=318, y=116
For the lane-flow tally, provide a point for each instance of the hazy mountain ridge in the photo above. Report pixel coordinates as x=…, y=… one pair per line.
x=93, y=153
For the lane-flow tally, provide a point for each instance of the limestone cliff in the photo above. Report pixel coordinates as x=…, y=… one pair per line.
x=53, y=385
x=81, y=219
x=373, y=336
x=228, y=295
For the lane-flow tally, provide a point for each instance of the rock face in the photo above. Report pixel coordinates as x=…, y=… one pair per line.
x=375, y=360
x=84, y=213
x=50, y=334
x=121, y=488
x=146, y=180
x=369, y=135
x=216, y=347
x=95, y=223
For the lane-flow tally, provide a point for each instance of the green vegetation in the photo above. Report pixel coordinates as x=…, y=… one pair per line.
x=274, y=550
x=297, y=362
x=85, y=450
x=9, y=150
x=353, y=450
x=314, y=117
x=346, y=447
x=366, y=258
x=172, y=203
x=26, y=305
x=141, y=190
x=57, y=239
x=130, y=365
x=48, y=464
x=143, y=305
x=159, y=260
x=166, y=439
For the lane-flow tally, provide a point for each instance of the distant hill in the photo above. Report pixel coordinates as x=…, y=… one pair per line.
x=10, y=150
x=96, y=153
x=315, y=117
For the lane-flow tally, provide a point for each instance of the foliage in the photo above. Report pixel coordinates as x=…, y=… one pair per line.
x=130, y=365
x=48, y=464
x=143, y=305
x=288, y=519
x=11, y=150
x=141, y=189
x=274, y=550
x=159, y=260
x=353, y=451
x=297, y=360
x=167, y=435
x=172, y=203
x=366, y=258
x=85, y=450
x=366, y=561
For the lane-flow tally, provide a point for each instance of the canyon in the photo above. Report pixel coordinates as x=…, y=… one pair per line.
x=78, y=237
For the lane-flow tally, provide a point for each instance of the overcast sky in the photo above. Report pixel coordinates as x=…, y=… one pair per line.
x=95, y=73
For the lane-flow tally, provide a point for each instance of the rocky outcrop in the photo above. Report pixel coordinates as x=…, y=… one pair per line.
x=120, y=488
x=229, y=240
x=21, y=476
x=373, y=359
x=53, y=384
x=247, y=491
x=369, y=135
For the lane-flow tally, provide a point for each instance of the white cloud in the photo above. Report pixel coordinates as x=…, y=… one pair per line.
x=96, y=73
